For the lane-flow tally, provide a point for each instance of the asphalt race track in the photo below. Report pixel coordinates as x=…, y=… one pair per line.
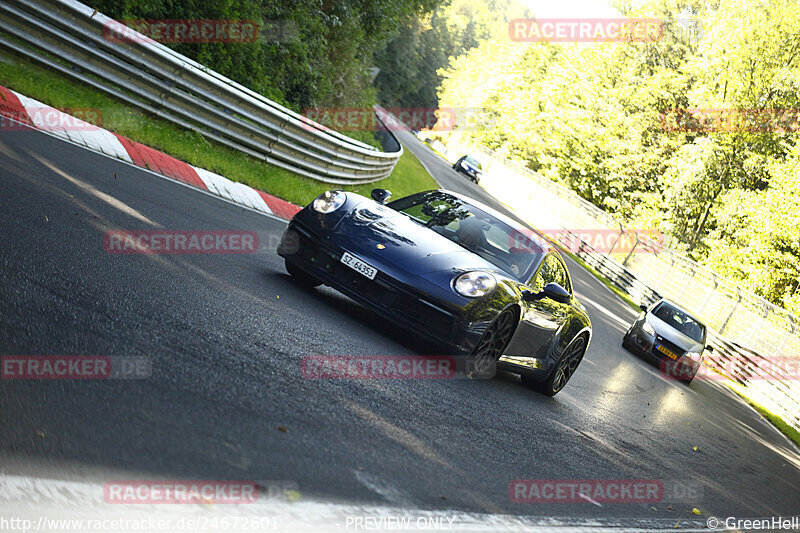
x=225, y=334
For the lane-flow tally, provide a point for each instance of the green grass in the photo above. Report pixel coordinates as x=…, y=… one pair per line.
x=58, y=91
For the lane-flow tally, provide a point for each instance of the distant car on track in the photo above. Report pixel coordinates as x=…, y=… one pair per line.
x=470, y=167
x=452, y=270
x=671, y=336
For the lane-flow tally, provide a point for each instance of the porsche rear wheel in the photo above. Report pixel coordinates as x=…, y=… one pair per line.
x=492, y=344
x=301, y=276
x=565, y=368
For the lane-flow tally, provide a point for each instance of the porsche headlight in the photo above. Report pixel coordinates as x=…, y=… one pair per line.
x=648, y=328
x=329, y=201
x=474, y=284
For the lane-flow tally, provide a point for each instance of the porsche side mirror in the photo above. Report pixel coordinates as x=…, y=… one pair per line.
x=643, y=307
x=709, y=348
x=380, y=195
x=556, y=292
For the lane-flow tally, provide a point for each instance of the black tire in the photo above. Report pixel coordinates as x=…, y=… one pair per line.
x=565, y=368
x=301, y=276
x=626, y=341
x=492, y=344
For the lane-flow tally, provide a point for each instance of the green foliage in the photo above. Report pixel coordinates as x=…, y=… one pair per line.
x=310, y=53
x=410, y=61
x=408, y=177
x=595, y=117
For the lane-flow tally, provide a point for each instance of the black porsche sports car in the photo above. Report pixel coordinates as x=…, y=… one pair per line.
x=452, y=270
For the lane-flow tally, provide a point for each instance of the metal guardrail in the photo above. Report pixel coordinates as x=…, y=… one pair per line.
x=71, y=38
x=744, y=317
x=743, y=366
x=753, y=339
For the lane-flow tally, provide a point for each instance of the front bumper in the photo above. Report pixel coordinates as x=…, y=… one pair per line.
x=393, y=299
x=472, y=174
x=681, y=368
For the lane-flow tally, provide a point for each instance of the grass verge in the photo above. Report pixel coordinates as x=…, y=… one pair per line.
x=61, y=92
x=774, y=419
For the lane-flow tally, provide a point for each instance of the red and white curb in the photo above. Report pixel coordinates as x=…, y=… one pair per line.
x=42, y=117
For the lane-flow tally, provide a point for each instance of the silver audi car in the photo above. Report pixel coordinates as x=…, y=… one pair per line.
x=670, y=335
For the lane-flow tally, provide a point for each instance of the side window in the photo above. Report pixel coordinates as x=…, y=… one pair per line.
x=551, y=271
x=561, y=276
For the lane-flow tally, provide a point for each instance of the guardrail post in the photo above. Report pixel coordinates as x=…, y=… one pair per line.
x=625, y=262
x=730, y=314
x=619, y=236
x=710, y=294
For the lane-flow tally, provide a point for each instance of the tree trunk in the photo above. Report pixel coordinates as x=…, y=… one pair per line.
x=699, y=231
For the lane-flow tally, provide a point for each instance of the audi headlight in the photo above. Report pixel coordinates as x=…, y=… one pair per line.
x=648, y=328
x=329, y=201
x=474, y=284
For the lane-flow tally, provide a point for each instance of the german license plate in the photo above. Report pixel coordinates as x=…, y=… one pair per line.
x=359, y=266
x=669, y=353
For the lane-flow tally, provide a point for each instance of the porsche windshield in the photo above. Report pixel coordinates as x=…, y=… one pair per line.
x=507, y=247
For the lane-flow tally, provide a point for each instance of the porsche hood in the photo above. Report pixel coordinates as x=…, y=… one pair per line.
x=376, y=232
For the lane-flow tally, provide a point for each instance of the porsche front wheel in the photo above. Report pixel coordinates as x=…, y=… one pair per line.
x=564, y=369
x=492, y=344
x=301, y=276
